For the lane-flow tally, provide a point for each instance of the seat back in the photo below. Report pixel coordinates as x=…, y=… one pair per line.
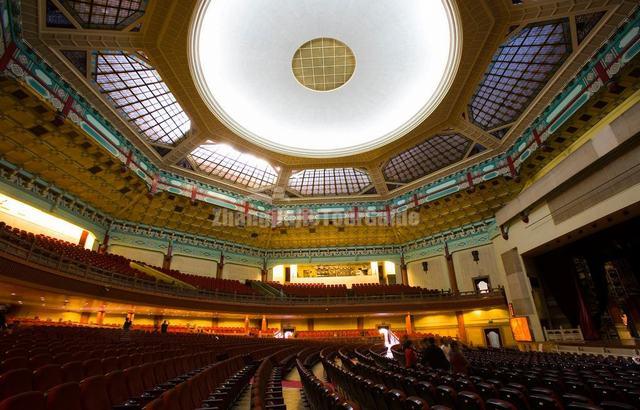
x=47, y=377
x=109, y=364
x=31, y=400
x=72, y=371
x=133, y=380
x=544, y=402
x=446, y=395
x=65, y=396
x=93, y=393
x=12, y=363
x=92, y=367
x=116, y=387
x=467, y=400
x=14, y=382
x=497, y=404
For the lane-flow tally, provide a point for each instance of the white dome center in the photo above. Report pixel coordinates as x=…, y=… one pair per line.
x=241, y=53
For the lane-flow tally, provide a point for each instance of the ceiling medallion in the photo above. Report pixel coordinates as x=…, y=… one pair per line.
x=323, y=64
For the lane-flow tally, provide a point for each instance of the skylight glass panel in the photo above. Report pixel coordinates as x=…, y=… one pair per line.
x=225, y=162
x=423, y=159
x=518, y=71
x=329, y=181
x=137, y=91
x=105, y=14
x=585, y=23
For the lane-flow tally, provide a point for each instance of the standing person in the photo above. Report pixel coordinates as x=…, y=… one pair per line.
x=446, y=346
x=459, y=363
x=433, y=356
x=127, y=324
x=164, y=327
x=410, y=357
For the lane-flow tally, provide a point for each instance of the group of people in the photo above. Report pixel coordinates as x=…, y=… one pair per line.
x=447, y=356
x=164, y=327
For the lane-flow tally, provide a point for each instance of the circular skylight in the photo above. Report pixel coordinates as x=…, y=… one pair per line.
x=242, y=56
x=323, y=64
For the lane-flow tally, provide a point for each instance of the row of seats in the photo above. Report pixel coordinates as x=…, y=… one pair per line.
x=332, y=334
x=358, y=289
x=320, y=396
x=311, y=289
x=475, y=391
x=210, y=283
x=122, y=368
x=266, y=390
x=375, y=289
x=53, y=389
x=365, y=392
x=112, y=263
x=194, y=391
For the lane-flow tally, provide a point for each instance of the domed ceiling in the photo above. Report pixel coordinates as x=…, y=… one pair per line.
x=394, y=61
x=350, y=108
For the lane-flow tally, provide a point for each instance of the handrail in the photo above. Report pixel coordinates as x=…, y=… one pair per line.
x=31, y=252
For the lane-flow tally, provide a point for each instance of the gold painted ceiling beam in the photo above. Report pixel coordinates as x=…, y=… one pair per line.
x=477, y=134
x=185, y=146
x=377, y=177
x=281, y=183
x=618, y=11
x=528, y=12
x=31, y=30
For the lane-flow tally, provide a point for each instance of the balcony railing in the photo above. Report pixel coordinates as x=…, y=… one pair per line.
x=29, y=251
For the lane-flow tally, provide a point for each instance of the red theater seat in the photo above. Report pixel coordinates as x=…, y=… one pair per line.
x=65, y=396
x=14, y=382
x=93, y=393
x=72, y=371
x=47, y=377
x=24, y=401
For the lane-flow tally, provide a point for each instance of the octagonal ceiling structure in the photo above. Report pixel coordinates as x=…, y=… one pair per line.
x=241, y=55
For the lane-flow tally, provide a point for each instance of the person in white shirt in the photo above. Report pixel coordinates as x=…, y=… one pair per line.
x=446, y=347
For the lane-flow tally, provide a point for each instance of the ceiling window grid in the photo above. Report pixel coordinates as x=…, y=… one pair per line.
x=423, y=159
x=105, y=14
x=138, y=91
x=518, y=71
x=585, y=23
x=225, y=162
x=329, y=181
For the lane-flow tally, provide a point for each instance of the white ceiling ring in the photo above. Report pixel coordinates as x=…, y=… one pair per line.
x=240, y=54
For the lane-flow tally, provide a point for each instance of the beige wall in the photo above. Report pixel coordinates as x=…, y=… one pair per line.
x=467, y=269
x=240, y=272
x=149, y=257
x=336, y=323
x=435, y=278
x=194, y=266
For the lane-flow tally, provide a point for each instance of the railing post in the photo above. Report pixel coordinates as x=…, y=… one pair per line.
x=31, y=248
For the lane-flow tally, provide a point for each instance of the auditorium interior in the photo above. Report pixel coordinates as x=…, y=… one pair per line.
x=304, y=204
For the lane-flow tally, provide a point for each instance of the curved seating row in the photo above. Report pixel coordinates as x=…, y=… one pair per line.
x=320, y=396
x=443, y=388
x=38, y=243
x=266, y=390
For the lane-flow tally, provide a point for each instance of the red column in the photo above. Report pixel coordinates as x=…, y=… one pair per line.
x=403, y=271
x=83, y=238
x=100, y=317
x=166, y=262
x=462, y=331
x=220, y=267
x=451, y=269
x=408, y=323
